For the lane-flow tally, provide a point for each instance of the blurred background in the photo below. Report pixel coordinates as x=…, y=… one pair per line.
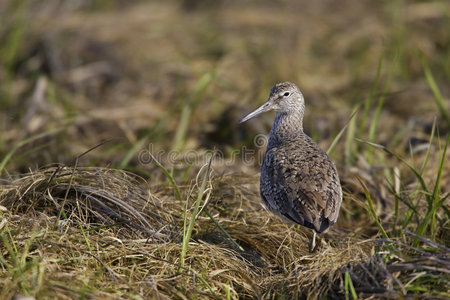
x=178, y=75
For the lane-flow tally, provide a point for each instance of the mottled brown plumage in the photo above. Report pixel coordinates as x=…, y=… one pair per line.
x=298, y=179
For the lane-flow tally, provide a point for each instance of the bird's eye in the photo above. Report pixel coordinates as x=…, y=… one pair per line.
x=286, y=94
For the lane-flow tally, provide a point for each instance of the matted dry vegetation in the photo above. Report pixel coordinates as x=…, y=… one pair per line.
x=118, y=239
x=91, y=89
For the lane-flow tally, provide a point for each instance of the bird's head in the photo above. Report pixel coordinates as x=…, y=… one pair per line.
x=284, y=98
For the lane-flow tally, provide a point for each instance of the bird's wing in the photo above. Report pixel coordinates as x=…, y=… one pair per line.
x=303, y=187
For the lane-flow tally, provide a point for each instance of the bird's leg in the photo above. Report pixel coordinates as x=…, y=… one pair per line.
x=312, y=243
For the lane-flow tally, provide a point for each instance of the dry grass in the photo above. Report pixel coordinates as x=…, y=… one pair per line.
x=131, y=238
x=119, y=239
x=151, y=78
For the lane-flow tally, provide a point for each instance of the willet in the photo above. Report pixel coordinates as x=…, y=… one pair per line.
x=298, y=181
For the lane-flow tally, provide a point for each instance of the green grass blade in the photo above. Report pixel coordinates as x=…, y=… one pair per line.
x=86, y=240
x=132, y=152
x=338, y=136
x=201, y=193
x=368, y=102
x=12, y=252
x=436, y=93
x=350, y=148
x=188, y=108
x=203, y=281
x=9, y=232
x=416, y=173
x=371, y=208
x=223, y=230
x=413, y=207
x=374, y=123
x=430, y=143
x=168, y=175
x=22, y=143
x=436, y=202
x=348, y=283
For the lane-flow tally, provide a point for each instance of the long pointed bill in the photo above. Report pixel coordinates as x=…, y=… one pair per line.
x=263, y=108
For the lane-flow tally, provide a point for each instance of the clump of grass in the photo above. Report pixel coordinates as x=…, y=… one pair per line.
x=82, y=191
x=204, y=193
x=434, y=200
x=414, y=254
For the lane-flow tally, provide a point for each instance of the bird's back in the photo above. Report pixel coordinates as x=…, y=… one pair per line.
x=300, y=182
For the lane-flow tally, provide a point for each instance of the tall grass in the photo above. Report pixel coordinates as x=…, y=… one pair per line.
x=336, y=139
x=349, y=150
x=377, y=113
x=371, y=208
x=189, y=106
x=434, y=201
x=358, y=124
x=367, y=105
x=432, y=195
x=204, y=193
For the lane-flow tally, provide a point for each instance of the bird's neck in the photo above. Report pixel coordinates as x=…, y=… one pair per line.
x=287, y=125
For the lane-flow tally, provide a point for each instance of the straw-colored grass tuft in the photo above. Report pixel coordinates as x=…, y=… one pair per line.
x=93, y=197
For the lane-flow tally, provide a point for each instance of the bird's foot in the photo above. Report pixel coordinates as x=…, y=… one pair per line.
x=312, y=243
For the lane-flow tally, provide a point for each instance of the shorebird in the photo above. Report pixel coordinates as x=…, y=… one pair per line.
x=299, y=181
